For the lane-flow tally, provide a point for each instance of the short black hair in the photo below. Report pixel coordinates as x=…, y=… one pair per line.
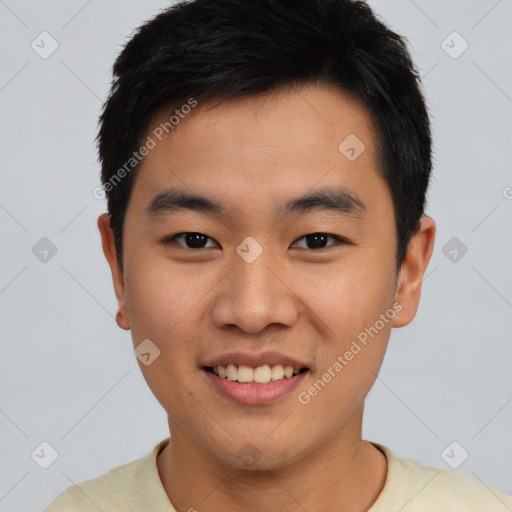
x=207, y=49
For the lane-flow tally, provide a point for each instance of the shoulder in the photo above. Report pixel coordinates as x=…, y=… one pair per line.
x=414, y=487
x=121, y=488
x=100, y=493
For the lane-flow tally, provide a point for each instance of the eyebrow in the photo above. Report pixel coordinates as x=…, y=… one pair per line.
x=336, y=199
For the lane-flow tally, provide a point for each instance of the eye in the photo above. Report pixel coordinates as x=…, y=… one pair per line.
x=195, y=240
x=191, y=240
x=318, y=241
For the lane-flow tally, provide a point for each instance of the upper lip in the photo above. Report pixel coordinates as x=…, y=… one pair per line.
x=254, y=360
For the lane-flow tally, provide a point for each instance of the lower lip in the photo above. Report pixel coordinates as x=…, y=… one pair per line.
x=255, y=394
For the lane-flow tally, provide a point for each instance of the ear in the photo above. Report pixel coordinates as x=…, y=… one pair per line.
x=109, y=250
x=411, y=272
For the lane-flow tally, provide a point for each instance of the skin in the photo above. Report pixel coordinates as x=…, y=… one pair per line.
x=254, y=153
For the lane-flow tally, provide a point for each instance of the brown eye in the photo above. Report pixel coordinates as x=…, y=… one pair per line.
x=192, y=240
x=317, y=241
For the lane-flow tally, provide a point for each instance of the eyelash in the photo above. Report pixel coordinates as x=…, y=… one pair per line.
x=338, y=240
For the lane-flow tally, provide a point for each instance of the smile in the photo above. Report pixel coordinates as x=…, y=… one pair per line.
x=262, y=374
x=259, y=385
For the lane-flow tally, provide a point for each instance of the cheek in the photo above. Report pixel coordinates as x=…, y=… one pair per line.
x=351, y=357
x=169, y=304
x=351, y=296
x=356, y=303
x=160, y=297
x=163, y=303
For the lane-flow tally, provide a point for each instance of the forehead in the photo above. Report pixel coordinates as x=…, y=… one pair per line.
x=253, y=151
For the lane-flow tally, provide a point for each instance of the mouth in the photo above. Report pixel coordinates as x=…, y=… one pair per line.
x=254, y=385
x=260, y=375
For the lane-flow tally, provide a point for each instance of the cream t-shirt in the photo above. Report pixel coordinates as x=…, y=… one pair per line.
x=409, y=487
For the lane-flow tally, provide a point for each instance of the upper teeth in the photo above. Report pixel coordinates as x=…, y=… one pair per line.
x=261, y=375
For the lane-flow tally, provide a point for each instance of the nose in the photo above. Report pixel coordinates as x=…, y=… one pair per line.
x=255, y=295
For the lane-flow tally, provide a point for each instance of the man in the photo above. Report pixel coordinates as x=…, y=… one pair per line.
x=266, y=165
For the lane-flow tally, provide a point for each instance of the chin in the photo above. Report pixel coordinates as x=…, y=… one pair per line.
x=263, y=455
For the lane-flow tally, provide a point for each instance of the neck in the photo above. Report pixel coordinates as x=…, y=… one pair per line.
x=345, y=473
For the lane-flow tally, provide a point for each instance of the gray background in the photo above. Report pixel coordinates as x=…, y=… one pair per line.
x=68, y=374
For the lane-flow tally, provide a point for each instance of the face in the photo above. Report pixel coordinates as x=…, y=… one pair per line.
x=283, y=262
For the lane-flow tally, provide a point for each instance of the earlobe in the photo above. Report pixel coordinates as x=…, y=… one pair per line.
x=109, y=250
x=122, y=319
x=412, y=271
